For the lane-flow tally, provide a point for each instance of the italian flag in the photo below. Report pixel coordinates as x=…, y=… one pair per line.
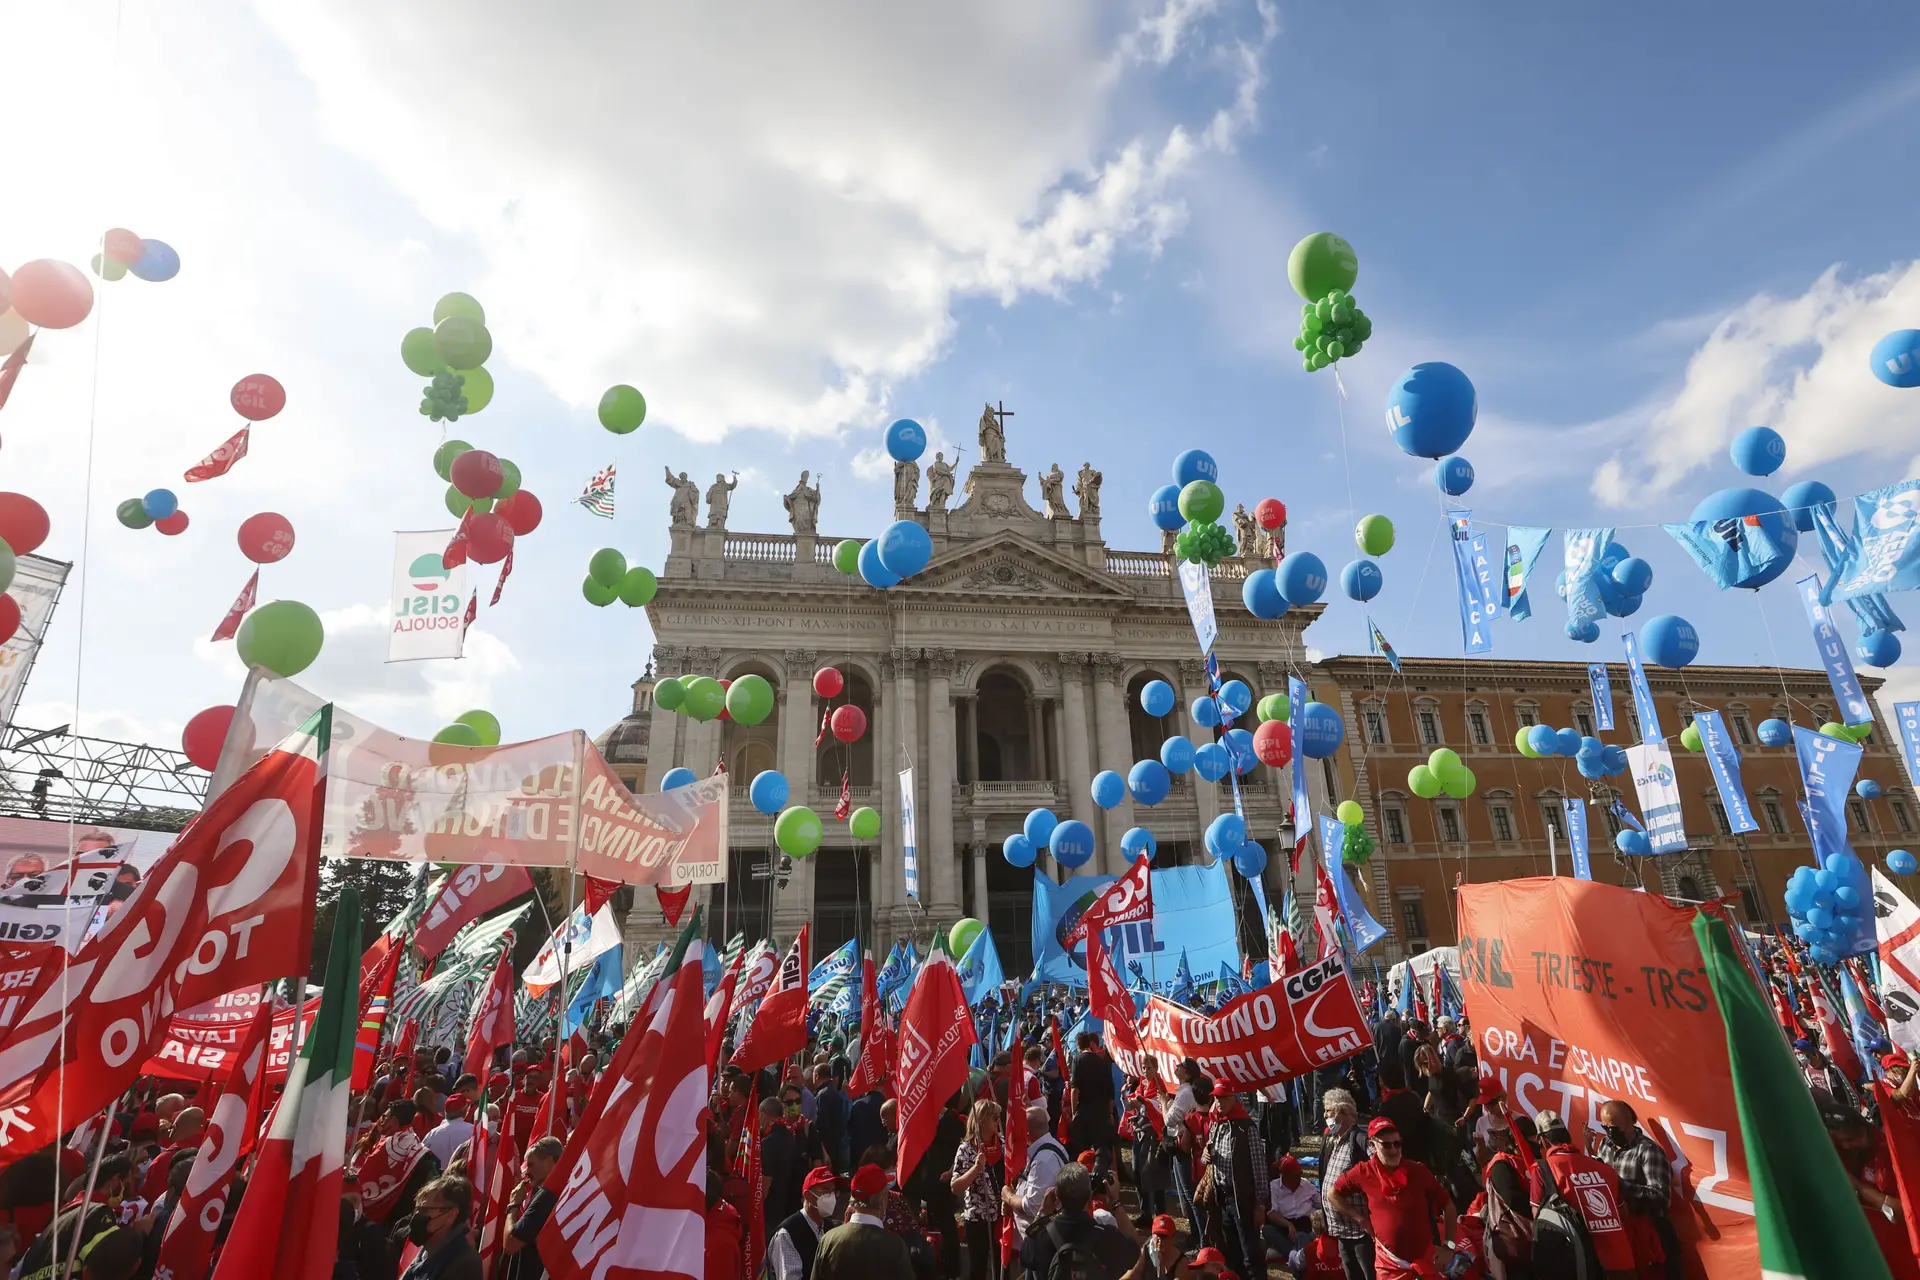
x=289, y=1220
x=1808, y=1221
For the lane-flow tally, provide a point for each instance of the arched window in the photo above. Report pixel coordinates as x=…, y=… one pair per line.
x=1373, y=715
x=1551, y=812
x=751, y=749
x=1006, y=726
x=854, y=759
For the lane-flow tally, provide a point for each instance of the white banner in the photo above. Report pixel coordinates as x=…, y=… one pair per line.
x=1652, y=766
x=428, y=601
x=36, y=586
x=910, y=859
x=584, y=941
x=1197, y=587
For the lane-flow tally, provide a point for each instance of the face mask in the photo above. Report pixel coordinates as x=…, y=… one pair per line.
x=826, y=1204
x=793, y=1109
x=420, y=1229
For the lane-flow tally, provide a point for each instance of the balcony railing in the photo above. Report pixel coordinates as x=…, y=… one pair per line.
x=1012, y=794
x=764, y=548
x=1151, y=564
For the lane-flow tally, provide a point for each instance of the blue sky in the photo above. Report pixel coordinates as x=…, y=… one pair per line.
x=1637, y=232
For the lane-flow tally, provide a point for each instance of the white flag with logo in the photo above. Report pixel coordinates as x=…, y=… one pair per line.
x=427, y=600
x=1897, y=930
x=909, y=858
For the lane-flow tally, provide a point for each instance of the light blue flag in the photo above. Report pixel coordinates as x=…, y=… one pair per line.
x=1854, y=707
x=1725, y=763
x=710, y=971
x=1628, y=816
x=1475, y=635
x=1377, y=639
x=843, y=963
x=1184, y=991
x=1575, y=811
x=1837, y=547
x=1600, y=687
x=1827, y=766
x=603, y=983
x=1886, y=555
x=1732, y=551
x=979, y=969
x=1233, y=983
x=1362, y=928
x=1302, y=805
x=1907, y=716
x=1524, y=545
x=1583, y=551
x=893, y=972
x=1643, y=704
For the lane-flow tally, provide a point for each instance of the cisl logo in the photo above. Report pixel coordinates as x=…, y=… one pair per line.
x=424, y=603
x=915, y=1053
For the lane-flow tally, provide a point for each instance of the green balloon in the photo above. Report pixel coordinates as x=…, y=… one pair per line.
x=637, y=586
x=1833, y=729
x=750, y=699
x=459, y=734
x=1459, y=783
x=846, y=555
x=284, y=637
x=1320, y=264
x=668, y=694
x=509, y=481
x=622, y=409
x=1422, y=782
x=133, y=514
x=1350, y=813
x=1274, y=706
x=443, y=459
x=607, y=567
x=597, y=595
x=459, y=503
x=797, y=831
x=1443, y=759
x=484, y=723
x=705, y=698
x=1374, y=535
x=864, y=823
x=964, y=931
x=462, y=342
x=1521, y=744
x=1860, y=732
x=477, y=386
x=420, y=354
x=1202, y=502
x=1690, y=737
x=8, y=565
x=459, y=304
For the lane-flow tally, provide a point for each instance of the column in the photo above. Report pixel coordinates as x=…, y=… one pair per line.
x=907, y=747
x=887, y=889
x=971, y=727
x=1056, y=754
x=793, y=906
x=939, y=790
x=1193, y=684
x=977, y=858
x=1037, y=739
x=1078, y=774
x=1115, y=751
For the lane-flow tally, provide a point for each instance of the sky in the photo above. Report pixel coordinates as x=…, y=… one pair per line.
x=1638, y=231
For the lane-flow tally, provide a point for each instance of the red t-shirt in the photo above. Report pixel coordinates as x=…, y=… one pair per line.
x=1403, y=1204
x=1592, y=1187
x=1322, y=1260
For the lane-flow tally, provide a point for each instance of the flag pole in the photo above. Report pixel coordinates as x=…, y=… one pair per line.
x=573, y=858
x=93, y=1175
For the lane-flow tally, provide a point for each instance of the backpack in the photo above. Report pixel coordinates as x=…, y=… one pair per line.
x=1561, y=1245
x=1509, y=1234
x=1074, y=1259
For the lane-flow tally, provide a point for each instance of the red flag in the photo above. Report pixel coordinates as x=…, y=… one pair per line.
x=229, y=905
x=598, y=891
x=1839, y=1043
x=242, y=603
x=756, y=1230
x=10, y=373
x=456, y=552
x=673, y=901
x=493, y=1018
x=1903, y=1153
x=506, y=567
x=1126, y=900
x=1016, y=1119
x=1065, y=1064
x=845, y=806
x=1326, y=911
x=936, y=1034
x=469, y=893
x=632, y=1182
x=221, y=460
x=383, y=1173
x=821, y=736
x=1107, y=999
x=873, y=1071
x=780, y=1027
x=716, y=1012
x=499, y=1165
x=1289, y=954
x=473, y=611
x=1437, y=979
x=187, y=1247
x=376, y=996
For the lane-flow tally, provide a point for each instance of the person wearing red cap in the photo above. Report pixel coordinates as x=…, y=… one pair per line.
x=1291, y=1204
x=862, y=1248
x=1397, y=1200
x=795, y=1243
x=1160, y=1257
x=1210, y=1262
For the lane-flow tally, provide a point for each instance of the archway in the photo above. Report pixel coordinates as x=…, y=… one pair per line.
x=853, y=759
x=1004, y=728
x=1147, y=732
x=750, y=749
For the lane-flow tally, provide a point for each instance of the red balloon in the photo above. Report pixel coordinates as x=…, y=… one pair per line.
x=9, y=618
x=489, y=538
x=522, y=511
x=477, y=474
x=6, y=292
x=828, y=682
x=848, y=723
x=205, y=734
x=1271, y=513
x=53, y=295
x=174, y=525
x=724, y=686
x=23, y=522
x=1273, y=743
x=266, y=538
x=122, y=246
x=258, y=397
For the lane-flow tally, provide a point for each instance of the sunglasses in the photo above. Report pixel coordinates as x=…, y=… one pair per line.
x=1385, y=1145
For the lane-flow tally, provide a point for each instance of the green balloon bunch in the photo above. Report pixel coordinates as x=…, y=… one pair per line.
x=1358, y=848
x=453, y=354
x=1443, y=771
x=1845, y=732
x=609, y=578
x=1275, y=706
x=471, y=729
x=1203, y=542
x=1330, y=329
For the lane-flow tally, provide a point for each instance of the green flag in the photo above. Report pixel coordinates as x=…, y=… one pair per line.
x=1809, y=1223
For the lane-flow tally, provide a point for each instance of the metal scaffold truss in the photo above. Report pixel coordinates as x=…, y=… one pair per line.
x=55, y=775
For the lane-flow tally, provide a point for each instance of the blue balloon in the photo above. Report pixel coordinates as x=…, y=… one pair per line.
x=1800, y=500
x=1867, y=789
x=1583, y=632
x=1149, y=781
x=1758, y=451
x=872, y=572
x=1633, y=575
x=1177, y=754
x=1250, y=861
x=1039, y=826
x=157, y=262
x=1226, y=835
x=1823, y=954
x=1896, y=359
x=1164, y=507
x=1879, y=648
x=1239, y=745
x=1261, y=594
x=1728, y=510
x=1019, y=850
x=673, y=779
x=1071, y=843
x=1237, y=696
x=1826, y=880
x=1302, y=578
x=1820, y=917
x=1775, y=733
x=1669, y=640
x=1204, y=711
x=1195, y=464
x=1543, y=740
x=1633, y=843
x=1615, y=761
x=906, y=440
x=1612, y=554
x=768, y=791
x=159, y=504
x=1591, y=745
x=1623, y=607
x=1847, y=896
x=1136, y=842
x=1901, y=863
x=1431, y=410
x=1361, y=580
x=1211, y=762
x=1591, y=764
x=1567, y=743
x=905, y=548
x=1319, y=731
x=1109, y=788
x=1156, y=698
x=1454, y=475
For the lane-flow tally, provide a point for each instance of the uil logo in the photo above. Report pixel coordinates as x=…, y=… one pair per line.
x=1896, y=511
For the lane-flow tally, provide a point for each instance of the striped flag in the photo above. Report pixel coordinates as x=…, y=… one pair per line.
x=597, y=497
x=242, y=605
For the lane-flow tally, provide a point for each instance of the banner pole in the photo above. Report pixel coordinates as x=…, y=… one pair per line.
x=573, y=859
x=93, y=1175
x=1553, y=852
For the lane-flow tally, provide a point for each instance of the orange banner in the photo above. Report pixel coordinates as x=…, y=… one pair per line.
x=1579, y=993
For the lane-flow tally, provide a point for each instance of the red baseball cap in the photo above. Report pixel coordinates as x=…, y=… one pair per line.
x=821, y=1177
x=869, y=1181
x=1379, y=1125
x=1490, y=1089
x=1164, y=1225
x=1209, y=1257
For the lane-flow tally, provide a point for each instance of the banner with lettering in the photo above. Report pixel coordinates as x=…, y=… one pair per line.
x=1908, y=716
x=1580, y=992
x=1886, y=557
x=427, y=600
x=463, y=897
x=1302, y=802
x=1651, y=764
x=1601, y=689
x=1197, y=586
x=1643, y=704
x=1724, y=761
x=1583, y=548
x=1854, y=707
x=1575, y=811
x=1827, y=766
x=1475, y=635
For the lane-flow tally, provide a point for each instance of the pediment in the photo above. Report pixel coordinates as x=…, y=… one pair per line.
x=1008, y=564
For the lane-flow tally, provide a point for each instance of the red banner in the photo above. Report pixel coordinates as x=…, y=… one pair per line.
x=1306, y=1020
x=469, y=893
x=1579, y=993
x=1127, y=899
x=201, y=1042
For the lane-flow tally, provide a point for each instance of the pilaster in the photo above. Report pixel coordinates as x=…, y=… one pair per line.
x=942, y=857
x=794, y=906
x=907, y=730
x=1206, y=795
x=1115, y=752
x=1075, y=739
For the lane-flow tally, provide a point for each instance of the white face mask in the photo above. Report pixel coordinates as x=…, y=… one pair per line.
x=826, y=1204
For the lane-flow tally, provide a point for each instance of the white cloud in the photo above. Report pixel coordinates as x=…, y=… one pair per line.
x=874, y=463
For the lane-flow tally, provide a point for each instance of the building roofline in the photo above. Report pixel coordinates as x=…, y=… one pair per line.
x=1510, y=669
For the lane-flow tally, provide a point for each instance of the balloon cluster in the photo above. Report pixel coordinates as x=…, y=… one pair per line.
x=846, y=722
x=903, y=547
x=454, y=354
x=622, y=409
x=471, y=729
x=1623, y=578
x=484, y=491
x=1358, y=846
x=747, y=700
x=1594, y=758
x=1070, y=842
x=1322, y=268
x=1831, y=906
x=1443, y=771
x=160, y=508
x=123, y=253
x=610, y=578
x=769, y=792
x=1847, y=732
x=23, y=527
x=1226, y=838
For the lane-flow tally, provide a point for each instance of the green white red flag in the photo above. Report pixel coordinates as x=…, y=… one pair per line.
x=936, y=1037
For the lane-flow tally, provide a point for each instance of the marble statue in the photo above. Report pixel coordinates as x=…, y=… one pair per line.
x=1052, y=493
x=906, y=485
x=993, y=434
x=1245, y=532
x=719, y=497
x=684, y=510
x=939, y=483
x=1087, y=489
x=803, y=505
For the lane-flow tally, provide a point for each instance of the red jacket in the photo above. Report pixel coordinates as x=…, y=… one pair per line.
x=723, y=1242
